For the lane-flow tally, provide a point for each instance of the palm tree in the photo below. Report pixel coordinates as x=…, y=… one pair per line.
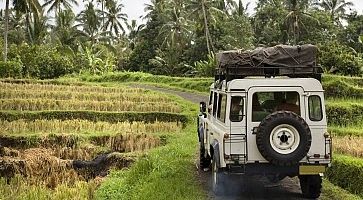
x=176, y=28
x=6, y=31
x=55, y=5
x=205, y=11
x=134, y=31
x=336, y=8
x=32, y=11
x=114, y=16
x=156, y=6
x=37, y=28
x=65, y=30
x=90, y=22
x=294, y=20
x=27, y=6
x=241, y=10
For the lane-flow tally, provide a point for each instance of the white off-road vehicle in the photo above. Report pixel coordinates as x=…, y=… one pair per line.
x=266, y=116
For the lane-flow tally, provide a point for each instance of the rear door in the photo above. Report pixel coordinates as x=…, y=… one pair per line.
x=269, y=99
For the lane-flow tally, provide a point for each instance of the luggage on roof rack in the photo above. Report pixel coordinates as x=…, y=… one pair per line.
x=280, y=60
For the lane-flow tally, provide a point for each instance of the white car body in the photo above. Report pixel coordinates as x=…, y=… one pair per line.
x=237, y=140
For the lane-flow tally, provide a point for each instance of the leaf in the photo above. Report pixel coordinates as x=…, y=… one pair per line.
x=361, y=39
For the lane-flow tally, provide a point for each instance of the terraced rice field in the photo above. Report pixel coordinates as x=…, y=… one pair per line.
x=62, y=151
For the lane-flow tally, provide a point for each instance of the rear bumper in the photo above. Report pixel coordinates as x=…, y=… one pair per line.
x=269, y=169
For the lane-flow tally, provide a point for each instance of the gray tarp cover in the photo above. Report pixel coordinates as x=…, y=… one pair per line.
x=302, y=58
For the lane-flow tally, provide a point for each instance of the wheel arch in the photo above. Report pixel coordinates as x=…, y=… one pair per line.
x=214, y=151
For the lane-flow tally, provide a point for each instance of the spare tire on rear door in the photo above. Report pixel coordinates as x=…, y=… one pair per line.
x=283, y=138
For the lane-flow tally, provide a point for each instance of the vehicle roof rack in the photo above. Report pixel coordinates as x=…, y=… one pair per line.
x=280, y=60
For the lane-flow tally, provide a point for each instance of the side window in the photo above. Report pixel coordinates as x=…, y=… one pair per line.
x=215, y=98
x=236, y=112
x=222, y=105
x=315, y=108
x=210, y=103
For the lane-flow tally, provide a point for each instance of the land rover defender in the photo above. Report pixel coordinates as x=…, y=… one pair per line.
x=266, y=116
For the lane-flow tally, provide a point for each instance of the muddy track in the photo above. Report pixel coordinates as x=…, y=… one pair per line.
x=246, y=188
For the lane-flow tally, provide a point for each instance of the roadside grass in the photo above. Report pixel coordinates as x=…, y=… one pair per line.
x=346, y=172
x=166, y=172
x=332, y=192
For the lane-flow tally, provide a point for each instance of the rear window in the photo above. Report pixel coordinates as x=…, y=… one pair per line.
x=315, y=108
x=265, y=103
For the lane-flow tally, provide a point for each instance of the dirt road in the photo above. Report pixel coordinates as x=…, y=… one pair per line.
x=246, y=188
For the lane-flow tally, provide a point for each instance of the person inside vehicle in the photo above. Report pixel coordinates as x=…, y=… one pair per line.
x=290, y=103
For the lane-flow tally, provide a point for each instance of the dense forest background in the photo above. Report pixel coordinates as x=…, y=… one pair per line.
x=180, y=37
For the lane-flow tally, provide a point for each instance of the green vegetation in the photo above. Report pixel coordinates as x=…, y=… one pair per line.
x=34, y=139
x=196, y=84
x=346, y=172
x=94, y=116
x=178, y=38
x=165, y=173
x=331, y=191
x=344, y=113
x=354, y=130
x=19, y=189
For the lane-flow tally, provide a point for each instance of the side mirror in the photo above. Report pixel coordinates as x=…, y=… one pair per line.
x=203, y=107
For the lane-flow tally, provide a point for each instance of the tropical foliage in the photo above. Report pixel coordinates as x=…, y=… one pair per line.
x=178, y=37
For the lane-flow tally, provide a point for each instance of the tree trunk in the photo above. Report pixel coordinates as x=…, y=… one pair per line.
x=103, y=14
x=6, y=30
x=206, y=27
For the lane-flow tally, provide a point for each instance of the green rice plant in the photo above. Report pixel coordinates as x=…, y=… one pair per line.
x=110, y=106
x=344, y=113
x=352, y=130
x=83, y=96
x=19, y=189
x=346, y=172
x=69, y=88
x=83, y=126
x=111, y=117
x=342, y=89
x=355, y=81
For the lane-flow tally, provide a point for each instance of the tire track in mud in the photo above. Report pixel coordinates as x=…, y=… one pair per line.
x=245, y=187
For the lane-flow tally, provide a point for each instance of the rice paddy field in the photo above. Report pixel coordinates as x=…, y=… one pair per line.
x=97, y=138
x=60, y=141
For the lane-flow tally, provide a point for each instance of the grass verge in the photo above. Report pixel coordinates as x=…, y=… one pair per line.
x=332, y=192
x=347, y=172
x=164, y=173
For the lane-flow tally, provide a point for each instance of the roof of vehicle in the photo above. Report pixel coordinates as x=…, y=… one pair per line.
x=280, y=60
x=308, y=84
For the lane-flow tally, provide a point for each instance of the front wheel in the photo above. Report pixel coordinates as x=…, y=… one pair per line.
x=217, y=179
x=311, y=186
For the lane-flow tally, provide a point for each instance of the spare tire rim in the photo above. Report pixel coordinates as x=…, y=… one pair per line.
x=284, y=139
